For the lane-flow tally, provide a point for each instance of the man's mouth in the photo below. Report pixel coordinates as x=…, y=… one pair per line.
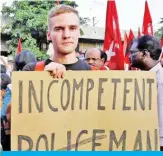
x=66, y=43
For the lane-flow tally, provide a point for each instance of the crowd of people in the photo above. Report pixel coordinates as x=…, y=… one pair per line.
x=64, y=32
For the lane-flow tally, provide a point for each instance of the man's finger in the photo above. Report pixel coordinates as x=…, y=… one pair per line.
x=62, y=75
x=60, y=72
x=54, y=73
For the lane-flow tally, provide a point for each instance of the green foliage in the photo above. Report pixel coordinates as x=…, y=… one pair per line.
x=159, y=32
x=84, y=21
x=161, y=21
x=28, y=21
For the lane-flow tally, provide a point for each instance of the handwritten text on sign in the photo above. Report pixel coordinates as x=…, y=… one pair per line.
x=84, y=111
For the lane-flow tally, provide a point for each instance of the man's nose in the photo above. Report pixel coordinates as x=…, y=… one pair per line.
x=90, y=61
x=66, y=33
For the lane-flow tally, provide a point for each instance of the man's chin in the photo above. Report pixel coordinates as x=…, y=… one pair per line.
x=66, y=51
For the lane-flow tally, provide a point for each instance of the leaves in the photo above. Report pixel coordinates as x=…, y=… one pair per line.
x=161, y=20
x=27, y=17
x=84, y=21
x=159, y=32
x=28, y=21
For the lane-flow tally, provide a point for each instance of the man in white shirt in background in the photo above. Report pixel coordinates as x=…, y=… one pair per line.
x=145, y=55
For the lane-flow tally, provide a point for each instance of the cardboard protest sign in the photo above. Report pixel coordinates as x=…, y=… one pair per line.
x=98, y=110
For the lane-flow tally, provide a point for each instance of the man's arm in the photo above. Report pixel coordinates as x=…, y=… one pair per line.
x=57, y=70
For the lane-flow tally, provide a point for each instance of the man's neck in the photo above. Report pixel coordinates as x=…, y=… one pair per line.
x=65, y=59
x=151, y=64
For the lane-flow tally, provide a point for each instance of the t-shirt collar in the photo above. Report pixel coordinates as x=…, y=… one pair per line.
x=156, y=67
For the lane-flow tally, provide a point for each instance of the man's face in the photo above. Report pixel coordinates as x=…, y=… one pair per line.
x=64, y=32
x=136, y=56
x=93, y=57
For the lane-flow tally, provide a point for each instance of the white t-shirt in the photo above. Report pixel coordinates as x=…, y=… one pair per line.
x=159, y=75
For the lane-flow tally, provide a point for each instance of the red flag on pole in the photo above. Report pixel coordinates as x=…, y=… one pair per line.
x=19, y=47
x=125, y=43
x=125, y=47
x=162, y=41
x=147, y=21
x=139, y=33
x=129, y=42
x=130, y=37
x=112, y=42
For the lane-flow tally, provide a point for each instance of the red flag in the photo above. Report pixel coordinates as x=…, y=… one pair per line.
x=19, y=47
x=139, y=33
x=112, y=42
x=125, y=43
x=130, y=37
x=147, y=21
x=162, y=47
x=162, y=41
x=129, y=42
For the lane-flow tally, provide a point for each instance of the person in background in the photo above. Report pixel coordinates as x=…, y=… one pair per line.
x=5, y=66
x=97, y=58
x=6, y=100
x=80, y=55
x=23, y=58
x=145, y=53
x=161, y=61
x=2, y=68
x=8, y=113
x=5, y=90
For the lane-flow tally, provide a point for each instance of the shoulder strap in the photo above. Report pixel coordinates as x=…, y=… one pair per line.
x=40, y=66
x=104, y=68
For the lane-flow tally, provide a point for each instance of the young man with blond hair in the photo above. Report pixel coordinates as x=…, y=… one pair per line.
x=64, y=32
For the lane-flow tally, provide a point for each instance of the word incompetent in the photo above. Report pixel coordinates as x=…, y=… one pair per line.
x=67, y=101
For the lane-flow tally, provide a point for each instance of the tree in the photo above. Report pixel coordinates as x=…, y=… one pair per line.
x=28, y=21
x=159, y=32
x=161, y=21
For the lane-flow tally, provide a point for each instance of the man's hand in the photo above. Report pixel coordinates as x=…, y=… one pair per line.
x=57, y=70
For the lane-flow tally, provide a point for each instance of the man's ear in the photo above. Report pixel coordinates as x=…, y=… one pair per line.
x=146, y=53
x=103, y=60
x=48, y=36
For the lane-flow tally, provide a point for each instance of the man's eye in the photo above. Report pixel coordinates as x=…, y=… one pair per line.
x=73, y=28
x=87, y=59
x=57, y=29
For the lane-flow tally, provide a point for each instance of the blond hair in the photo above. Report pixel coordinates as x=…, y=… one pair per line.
x=61, y=9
